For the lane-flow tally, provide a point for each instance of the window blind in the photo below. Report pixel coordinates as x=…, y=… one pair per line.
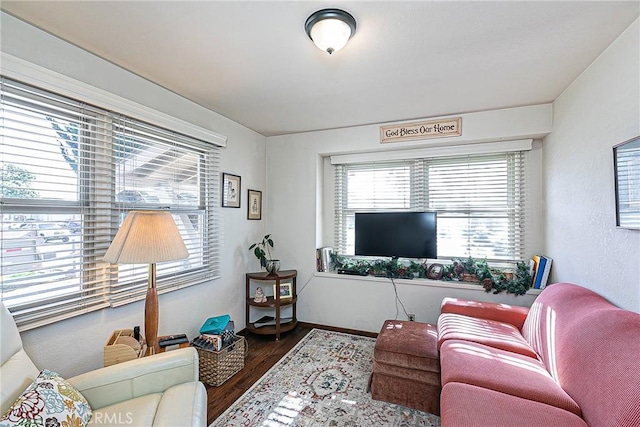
x=70, y=173
x=479, y=200
x=158, y=169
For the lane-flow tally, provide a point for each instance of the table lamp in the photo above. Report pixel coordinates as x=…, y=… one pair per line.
x=148, y=237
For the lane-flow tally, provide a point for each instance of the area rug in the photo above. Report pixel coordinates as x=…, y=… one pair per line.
x=322, y=381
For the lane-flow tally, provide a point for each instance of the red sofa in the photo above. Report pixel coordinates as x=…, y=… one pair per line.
x=573, y=359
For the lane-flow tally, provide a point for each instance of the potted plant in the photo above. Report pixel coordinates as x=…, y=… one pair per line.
x=261, y=250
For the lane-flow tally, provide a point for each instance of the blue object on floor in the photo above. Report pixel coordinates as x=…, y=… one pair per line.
x=215, y=325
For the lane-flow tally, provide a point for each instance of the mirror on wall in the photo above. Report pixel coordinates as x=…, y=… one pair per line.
x=626, y=165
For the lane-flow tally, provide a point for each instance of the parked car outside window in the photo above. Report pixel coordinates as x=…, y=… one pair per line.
x=47, y=231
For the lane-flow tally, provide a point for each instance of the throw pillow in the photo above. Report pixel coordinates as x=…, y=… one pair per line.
x=50, y=401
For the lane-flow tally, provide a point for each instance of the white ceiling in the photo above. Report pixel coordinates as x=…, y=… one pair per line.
x=253, y=63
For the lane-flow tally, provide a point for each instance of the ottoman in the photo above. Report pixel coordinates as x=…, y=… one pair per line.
x=406, y=365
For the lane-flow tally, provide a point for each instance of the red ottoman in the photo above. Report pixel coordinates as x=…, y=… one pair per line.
x=406, y=365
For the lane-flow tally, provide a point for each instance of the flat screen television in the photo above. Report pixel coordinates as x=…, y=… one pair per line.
x=396, y=234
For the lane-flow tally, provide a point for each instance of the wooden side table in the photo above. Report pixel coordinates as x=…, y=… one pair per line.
x=274, y=302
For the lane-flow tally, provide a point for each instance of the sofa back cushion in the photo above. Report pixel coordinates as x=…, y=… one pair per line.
x=17, y=370
x=599, y=367
x=554, y=314
x=591, y=348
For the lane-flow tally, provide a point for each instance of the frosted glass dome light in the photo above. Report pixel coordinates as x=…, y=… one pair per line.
x=330, y=29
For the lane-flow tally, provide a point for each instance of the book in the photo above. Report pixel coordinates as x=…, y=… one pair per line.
x=542, y=262
x=533, y=269
x=270, y=321
x=545, y=274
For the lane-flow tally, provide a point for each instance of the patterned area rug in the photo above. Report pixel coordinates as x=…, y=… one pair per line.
x=322, y=381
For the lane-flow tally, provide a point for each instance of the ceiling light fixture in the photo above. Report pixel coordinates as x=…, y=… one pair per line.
x=330, y=29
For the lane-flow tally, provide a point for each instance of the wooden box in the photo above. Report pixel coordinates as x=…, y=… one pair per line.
x=122, y=346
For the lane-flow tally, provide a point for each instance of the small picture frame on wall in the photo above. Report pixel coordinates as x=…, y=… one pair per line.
x=230, y=190
x=254, y=204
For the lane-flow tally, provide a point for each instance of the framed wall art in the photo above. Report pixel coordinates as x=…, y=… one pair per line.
x=230, y=190
x=626, y=167
x=254, y=204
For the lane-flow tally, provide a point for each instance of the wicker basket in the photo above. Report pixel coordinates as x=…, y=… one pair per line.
x=216, y=367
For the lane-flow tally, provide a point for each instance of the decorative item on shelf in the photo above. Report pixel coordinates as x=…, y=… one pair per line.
x=460, y=270
x=435, y=271
x=259, y=297
x=475, y=270
x=261, y=250
x=324, y=259
x=148, y=237
x=285, y=291
x=273, y=266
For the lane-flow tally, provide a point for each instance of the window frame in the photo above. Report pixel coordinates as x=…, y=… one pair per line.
x=516, y=164
x=30, y=315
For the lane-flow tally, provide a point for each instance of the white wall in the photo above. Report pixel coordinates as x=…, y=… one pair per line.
x=76, y=345
x=295, y=176
x=598, y=110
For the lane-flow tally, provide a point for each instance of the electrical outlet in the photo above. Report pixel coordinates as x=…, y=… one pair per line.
x=412, y=317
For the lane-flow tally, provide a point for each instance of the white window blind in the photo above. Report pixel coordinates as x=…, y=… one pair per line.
x=70, y=173
x=479, y=200
x=157, y=169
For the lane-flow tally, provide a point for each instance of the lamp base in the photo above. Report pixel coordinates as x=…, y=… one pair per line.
x=151, y=314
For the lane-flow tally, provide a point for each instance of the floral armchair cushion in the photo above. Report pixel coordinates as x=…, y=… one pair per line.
x=50, y=401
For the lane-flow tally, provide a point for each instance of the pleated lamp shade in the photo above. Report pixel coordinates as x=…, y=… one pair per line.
x=146, y=237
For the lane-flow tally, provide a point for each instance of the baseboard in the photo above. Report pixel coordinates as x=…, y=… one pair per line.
x=243, y=332
x=337, y=329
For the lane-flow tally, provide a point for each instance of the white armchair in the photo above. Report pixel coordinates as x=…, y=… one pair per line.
x=160, y=390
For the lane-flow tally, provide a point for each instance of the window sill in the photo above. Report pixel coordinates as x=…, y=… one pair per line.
x=414, y=282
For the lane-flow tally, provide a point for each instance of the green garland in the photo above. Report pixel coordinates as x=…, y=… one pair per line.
x=460, y=270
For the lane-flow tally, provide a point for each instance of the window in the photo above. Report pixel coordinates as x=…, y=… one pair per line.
x=70, y=174
x=479, y=200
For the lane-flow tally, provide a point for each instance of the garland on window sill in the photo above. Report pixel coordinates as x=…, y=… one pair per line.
x=468, y=270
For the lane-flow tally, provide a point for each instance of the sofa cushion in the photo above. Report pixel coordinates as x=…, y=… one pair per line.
x=16, y=369
x=417, y=375
x=512, y=314
x=554, y=315
x=590, y=347
x=483, y=331
x=186, y=401
x=405, y=392
x=139, y=412
x=598, y=365
x=472, y=406
x=503, y=371
x=49, y=400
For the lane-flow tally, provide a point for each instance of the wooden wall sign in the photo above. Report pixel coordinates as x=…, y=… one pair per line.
x=421, y=130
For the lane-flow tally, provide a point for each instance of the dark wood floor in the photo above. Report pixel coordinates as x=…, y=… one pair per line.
x=264, y=352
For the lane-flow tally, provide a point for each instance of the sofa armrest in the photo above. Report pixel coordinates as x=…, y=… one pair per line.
x=512, y=314
x=128, y=380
